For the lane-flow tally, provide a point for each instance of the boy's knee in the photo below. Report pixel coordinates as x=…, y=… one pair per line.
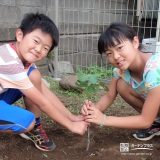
x=30, y=127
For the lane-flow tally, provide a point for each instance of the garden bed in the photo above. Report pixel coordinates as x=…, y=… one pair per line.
x=104, y=142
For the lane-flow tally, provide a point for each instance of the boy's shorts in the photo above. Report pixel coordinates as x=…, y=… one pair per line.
x=12, y=117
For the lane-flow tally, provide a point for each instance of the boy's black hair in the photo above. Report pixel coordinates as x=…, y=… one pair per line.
x=116, y=32
x=32, y=21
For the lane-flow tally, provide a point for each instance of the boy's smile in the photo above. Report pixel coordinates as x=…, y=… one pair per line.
x=34, y=46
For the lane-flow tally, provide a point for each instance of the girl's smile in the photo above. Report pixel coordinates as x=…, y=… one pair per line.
x=120, y=63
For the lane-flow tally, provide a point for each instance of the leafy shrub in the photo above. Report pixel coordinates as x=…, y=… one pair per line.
x=90, y=79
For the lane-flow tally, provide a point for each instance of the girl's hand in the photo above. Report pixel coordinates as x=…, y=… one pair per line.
x=94, y=115
x=84, y=110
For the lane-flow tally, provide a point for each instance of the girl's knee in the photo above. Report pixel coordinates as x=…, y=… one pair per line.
x=122, y=86
x=124, y=89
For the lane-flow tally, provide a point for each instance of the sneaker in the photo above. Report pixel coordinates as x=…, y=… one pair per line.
x=149, y=133
x=39, y=138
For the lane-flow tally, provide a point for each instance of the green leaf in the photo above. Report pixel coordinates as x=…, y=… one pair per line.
x=81, y=84
x=88, y=79
x=91, y=89
x=96, y=86
x=82, y=77
x=102, y=84
x=88, y=95
x=93, y=78
x=78, y=68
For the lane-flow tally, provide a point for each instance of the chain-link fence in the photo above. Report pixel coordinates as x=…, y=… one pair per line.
x=81, y=22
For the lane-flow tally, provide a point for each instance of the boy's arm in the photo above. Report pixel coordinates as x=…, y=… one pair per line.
x=57, y=103
x=49, y=108
x=36, y=79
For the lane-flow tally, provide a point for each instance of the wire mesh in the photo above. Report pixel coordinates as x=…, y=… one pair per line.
x=81, y=22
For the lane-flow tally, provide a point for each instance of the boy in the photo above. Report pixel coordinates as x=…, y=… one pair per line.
x=35, y=38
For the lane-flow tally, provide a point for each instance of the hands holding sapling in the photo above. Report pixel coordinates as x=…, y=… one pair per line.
x=92, y=114
x=79, y=126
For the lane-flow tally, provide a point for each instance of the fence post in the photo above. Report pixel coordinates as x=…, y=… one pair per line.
x=158, y=23
x=56, y=49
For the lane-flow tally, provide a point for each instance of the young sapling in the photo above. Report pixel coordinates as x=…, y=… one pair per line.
x=90, y=84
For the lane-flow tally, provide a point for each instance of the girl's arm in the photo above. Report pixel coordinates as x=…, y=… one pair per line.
x=105, y=101
x=144, y=120
x=109, y=97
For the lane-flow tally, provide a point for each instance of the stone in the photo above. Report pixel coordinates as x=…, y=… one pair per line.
x=64, y=68
x=68, y=82
x=46, y=83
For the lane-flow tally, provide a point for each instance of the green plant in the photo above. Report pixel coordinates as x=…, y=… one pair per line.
x=51, y=54
x=101, y=71
x=90, y=82
x=45, y=155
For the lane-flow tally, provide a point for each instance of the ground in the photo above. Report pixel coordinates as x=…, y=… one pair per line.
x=104, y=142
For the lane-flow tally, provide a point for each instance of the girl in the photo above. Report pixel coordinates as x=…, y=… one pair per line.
x=136, y=79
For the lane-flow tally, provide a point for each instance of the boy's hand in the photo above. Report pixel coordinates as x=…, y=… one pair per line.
x=85, y=107
x=77, y=118
x=79, y=127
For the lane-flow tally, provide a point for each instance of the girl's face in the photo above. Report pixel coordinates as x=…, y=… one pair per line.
x=34, y=46
x=122, y=55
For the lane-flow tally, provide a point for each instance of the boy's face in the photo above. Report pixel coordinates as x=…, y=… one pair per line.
x=34, y=46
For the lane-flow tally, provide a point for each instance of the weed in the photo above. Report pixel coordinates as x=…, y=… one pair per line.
x=49, y=121
x=19, y=103
x=106, y=130
x=45, y=156
x=95, y=69
x=64, y=152
x=92, y=154
x=51, y=55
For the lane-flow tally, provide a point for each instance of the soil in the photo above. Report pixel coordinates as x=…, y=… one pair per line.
x=104, y=142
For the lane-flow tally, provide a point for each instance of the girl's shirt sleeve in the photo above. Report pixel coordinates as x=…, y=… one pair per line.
x=119, y=73
x=116, y=72
x=152, y=72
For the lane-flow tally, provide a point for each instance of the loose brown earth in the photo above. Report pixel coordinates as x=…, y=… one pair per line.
x=104, y=145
